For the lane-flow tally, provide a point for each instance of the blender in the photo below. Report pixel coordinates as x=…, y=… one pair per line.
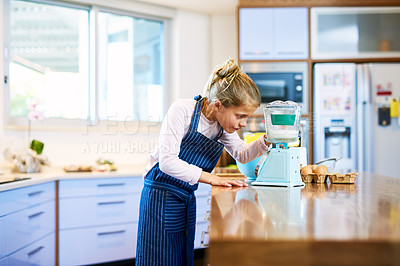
x=280, y=166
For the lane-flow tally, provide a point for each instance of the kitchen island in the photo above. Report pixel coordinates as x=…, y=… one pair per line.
x=319, y=224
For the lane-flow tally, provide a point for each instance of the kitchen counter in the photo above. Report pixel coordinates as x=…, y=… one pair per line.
x=319, y=224
x=57, y=173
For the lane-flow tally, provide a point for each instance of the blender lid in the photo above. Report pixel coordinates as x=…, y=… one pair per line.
x=283, y=104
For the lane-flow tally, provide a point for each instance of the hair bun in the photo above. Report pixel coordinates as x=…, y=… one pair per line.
x=230, y=67
x=231, y=86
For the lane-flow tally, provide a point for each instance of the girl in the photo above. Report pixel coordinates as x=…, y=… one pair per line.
x=192, y=137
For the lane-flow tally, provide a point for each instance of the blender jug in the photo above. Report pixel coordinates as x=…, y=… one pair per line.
x=282, y=121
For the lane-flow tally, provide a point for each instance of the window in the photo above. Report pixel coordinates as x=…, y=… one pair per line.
x=49, y=59
x=82, y=62
x=130, y=73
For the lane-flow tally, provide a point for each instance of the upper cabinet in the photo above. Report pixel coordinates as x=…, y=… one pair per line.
x=355, y=32
x=273, y=33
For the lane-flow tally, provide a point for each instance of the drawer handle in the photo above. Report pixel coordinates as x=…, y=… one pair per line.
x=207, y=217
x=111, y=202
x=36, y=193
x=111, y=233
x=111, y=185
x=290, y=53
x=202, y=241
x=33, y=252
x=35, y=215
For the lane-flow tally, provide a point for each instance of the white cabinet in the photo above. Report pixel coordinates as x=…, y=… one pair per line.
x=30, y=224
x=203, y=195
x=18, y=199
x=41, y=252
x=355, y=32
x=27, y=225
x=3, y=262
x=255, y=32
x=202, y=207
x=98, y=220
x=273, y=33
x=101, y=186
x=201, y=237
x=99, y=210
x=98, y=244
x=3, y=239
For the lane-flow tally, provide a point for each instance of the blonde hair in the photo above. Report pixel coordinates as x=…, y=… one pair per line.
x=232, y=87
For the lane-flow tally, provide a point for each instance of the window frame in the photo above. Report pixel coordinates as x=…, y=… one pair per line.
x=93, y=123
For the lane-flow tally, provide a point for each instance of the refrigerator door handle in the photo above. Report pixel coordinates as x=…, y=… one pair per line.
x=360, y=103
x=364, y=123
x=368, y=115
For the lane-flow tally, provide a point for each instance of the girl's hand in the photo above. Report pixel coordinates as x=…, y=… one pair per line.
x=265, y=140
x=215, y=180
x=222, y=181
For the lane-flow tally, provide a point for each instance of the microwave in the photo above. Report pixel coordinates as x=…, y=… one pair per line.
x=280, y=81
x=285, y=86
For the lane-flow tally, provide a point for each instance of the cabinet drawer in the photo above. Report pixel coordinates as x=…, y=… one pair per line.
x=28, y=225
x=101, y=210
x=41, y=252
x=3, y=262
x=4, y=203
x=3, y=239
x=201, y=231
x=203, y=190
x=100, y=186
x=17, y=199
x=202, y=207
x=97, y=245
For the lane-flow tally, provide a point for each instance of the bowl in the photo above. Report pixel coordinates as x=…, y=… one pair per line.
x=248, y=169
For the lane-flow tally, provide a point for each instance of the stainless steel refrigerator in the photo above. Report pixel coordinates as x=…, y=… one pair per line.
x=356, y=110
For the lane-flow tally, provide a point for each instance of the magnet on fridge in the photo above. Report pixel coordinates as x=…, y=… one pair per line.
x=394, y=108
x=384, y=116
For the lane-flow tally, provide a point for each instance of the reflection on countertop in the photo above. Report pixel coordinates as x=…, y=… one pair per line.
x=368, y=210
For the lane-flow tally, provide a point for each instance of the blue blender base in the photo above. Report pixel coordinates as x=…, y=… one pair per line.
x=280, y=168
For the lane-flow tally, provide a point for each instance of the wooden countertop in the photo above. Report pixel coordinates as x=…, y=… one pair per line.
x=319, y=224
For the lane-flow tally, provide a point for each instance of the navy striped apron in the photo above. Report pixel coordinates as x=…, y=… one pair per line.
x=167, y=214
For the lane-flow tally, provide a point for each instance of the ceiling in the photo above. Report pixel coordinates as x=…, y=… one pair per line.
x=211, y=7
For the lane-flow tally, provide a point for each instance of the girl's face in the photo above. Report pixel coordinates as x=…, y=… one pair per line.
x=232, y=118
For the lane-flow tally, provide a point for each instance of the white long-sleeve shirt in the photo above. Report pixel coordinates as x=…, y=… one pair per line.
x=175, y=126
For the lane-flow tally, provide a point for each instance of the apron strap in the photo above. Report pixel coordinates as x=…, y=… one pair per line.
x=196, y=116
x=219, y=134
x=197, y=112
x=198, y=97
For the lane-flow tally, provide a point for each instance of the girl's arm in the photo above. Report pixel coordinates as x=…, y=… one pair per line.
x=241, y=151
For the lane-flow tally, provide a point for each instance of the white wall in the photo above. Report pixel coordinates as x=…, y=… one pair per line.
x=199, y=43
x=203, y=42
x=223, y=38
x=193, y=55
